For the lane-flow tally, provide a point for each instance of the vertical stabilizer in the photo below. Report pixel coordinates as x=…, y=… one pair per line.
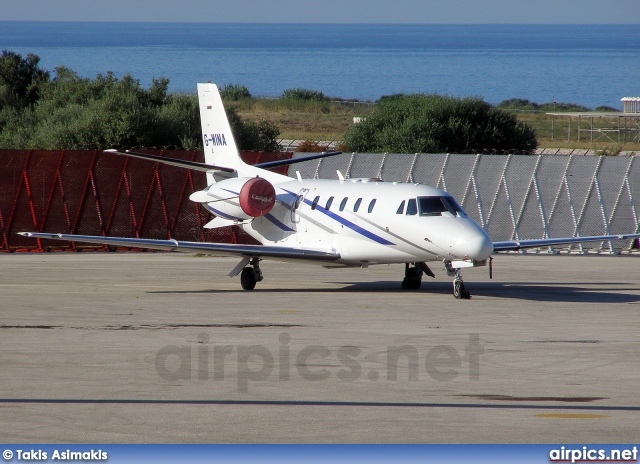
x=220, y=147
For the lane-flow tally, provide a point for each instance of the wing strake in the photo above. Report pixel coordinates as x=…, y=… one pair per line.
x=274, y=164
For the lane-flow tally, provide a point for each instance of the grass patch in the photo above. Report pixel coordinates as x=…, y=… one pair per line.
x=330, y=120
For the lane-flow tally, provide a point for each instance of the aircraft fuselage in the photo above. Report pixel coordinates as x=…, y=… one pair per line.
x=371, y=222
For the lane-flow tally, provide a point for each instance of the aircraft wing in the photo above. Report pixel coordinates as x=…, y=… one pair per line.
x=536, y=243
x=216, y=249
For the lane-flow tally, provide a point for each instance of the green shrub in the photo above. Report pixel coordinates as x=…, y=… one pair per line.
x=235, y=92
x=607, y=109
x=433, y=123
x=309, y=146
x=518, y=104
x=70, y=112
x=563, y=107
x=526, y=105
x=304, y=95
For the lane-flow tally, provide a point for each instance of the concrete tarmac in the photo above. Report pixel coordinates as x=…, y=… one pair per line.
x=164, y=348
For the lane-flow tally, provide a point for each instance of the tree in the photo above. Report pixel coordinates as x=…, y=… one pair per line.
x=72, y=112
x=20, y=79
x=437, y=124
x=20, y=83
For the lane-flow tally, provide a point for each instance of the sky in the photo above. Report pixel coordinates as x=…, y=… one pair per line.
x=328, y=11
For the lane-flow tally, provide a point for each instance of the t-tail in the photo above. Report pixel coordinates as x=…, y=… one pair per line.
x=220, y=147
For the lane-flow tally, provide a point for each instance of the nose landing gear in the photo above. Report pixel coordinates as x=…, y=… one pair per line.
x=459, y=291
x=458, y=288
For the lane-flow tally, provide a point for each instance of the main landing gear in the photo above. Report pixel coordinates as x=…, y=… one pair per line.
x=459, y=291
x=413, y=275
x=251, y=275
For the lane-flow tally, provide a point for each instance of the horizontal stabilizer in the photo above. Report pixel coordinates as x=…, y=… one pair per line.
x=173, y=161
x=275, y=164
x=537, y=243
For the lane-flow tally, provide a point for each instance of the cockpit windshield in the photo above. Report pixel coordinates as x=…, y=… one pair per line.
x=435, y=206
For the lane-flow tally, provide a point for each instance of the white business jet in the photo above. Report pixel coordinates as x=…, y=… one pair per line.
x=333, y=223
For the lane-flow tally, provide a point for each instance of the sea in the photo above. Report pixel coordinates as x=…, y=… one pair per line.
x=590, y=65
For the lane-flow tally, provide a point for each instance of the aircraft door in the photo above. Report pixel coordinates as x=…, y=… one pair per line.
x=299, y=200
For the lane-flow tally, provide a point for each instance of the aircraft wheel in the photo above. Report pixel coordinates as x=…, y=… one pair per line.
x=411, y=283
x=412, y=279
x=248, y=279
x=459, y=291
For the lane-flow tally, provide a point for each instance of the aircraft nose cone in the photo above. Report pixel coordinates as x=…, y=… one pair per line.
x=479, y=247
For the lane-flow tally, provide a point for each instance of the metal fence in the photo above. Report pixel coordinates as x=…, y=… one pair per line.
x=512, y=197
x=86, y=192
x=516, y=197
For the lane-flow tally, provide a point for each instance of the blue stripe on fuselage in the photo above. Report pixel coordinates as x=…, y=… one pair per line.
x=277, y=222
x=349, y=224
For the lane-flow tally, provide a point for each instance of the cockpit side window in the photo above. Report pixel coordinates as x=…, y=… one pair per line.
x=431, y=206
x=401, y=208
x=412, y=207
x=435, y=206
x=453, y=204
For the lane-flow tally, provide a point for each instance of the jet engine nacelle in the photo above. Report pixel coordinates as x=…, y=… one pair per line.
x=239, y=198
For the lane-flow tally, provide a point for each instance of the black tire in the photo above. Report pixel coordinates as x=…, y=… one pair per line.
x=412, y=279
x=458, y=288
x=247, y=279
x=411, y=283
x=460, y=292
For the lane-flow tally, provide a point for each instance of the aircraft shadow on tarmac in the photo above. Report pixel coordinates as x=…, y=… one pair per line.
x=576, y=292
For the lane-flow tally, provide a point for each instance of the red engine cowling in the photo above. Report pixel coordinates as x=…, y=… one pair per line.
x=239, y=198
x=257, y=197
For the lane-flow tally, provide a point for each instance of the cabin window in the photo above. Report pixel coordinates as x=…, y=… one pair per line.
x=343, y=203
x=371, y=205
x=315, y=202
x=329, y=201
x=400, y=208
x=412, y=207
x=357, y=205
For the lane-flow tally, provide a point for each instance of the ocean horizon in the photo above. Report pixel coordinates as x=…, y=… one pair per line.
x=591, y=65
